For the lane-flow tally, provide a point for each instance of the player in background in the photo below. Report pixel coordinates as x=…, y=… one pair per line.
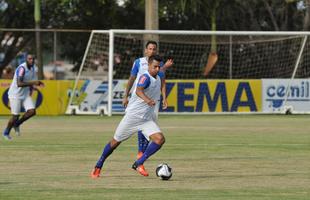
x=140, y=66
x=24, y=81
x=139, y=116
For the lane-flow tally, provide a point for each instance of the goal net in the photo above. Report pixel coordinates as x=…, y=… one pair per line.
x=199, y=56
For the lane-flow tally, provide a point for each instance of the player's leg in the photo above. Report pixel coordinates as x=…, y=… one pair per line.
x=30, y=112
x=107, y=150
x=15, y=110
x=125, y=129
x=158, y=140
x=16, y=128
x=10, y=124
x=143, y=142
x=151, y=130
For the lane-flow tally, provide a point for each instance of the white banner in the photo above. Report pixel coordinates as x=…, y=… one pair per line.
x=274, y=94
x=95, y=94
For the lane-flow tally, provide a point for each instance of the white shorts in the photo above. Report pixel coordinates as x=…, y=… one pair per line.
x=130, y=125
x=16, y=105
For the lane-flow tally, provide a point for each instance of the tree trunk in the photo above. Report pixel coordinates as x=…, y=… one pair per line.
x=213, y=57
x=273, y=19
x=306, y=25
x=37, y=19
x=151, y=20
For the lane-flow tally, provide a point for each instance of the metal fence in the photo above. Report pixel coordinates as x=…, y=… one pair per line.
x=62, y=50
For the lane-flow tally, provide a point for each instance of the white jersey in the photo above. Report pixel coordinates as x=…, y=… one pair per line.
x=16, y=92
x=152, y=88
x=140, y=67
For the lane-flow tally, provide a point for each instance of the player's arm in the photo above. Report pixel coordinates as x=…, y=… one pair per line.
x=163, y=93
x=143, y=83
x=167, y=64
x=35, y=78
x=140, y=93
x=163, y=90
x=131, y=80
x=22, y=83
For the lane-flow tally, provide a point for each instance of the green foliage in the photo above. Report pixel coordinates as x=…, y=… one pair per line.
x=241, y=15
x=230, y=15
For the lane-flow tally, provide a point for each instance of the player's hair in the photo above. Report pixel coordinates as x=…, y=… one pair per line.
x=154, y=57
x=150, y=42
x=30, y=54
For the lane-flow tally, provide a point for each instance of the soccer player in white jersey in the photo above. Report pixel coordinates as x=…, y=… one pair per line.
x=20, y=94
x=140, y=66
x=139, y=116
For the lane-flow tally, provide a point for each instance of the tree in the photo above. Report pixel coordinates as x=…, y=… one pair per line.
x=13, y=42
x=241, y=15
x=58, y=14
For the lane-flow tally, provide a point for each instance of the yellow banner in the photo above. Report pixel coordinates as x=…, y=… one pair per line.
x=182, y=96
x=52, y=99
x=214, y=96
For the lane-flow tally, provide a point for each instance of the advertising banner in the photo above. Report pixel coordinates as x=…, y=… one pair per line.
x=52, y=99
x=214, y=96
x=276, y=90
x=92, y=94
x=183, y=96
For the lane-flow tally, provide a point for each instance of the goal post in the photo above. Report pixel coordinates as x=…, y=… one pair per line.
x=254, y=72
x=111, y=57
x=96, y=46
x=287, y=109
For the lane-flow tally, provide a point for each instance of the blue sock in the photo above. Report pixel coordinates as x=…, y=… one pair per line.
x=150, y=150
x=145, y=144
x=106, y=152
x=16, y=124
x=140, y=141
x=6, y=131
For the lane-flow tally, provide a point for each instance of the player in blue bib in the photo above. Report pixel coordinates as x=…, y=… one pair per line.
x=20, y=95
x=140, y=67
x=139, y=116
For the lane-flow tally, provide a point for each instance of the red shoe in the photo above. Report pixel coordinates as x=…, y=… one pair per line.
x=140, y=153
x=95, y=173
x=140, y=169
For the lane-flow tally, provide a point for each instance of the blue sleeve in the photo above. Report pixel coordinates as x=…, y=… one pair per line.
x=144, y=81
x=135, y=68
x=161, y=74
x=20, y=72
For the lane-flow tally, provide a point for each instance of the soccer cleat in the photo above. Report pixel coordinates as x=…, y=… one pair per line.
x=95, y=173
x=140, y=169
x=140, y=153
x=6, y=134
x=7, y=137
x=17, y=131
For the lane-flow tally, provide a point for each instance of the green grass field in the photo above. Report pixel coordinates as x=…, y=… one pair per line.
x=213, y=157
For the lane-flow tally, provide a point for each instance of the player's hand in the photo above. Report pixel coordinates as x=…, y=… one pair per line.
x=39, y=83
x=165, y=104
x=125, y=102
x=169, y=63
x=151, y=103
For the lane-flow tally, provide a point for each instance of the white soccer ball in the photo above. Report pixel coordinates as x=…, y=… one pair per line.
x=164, y=171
